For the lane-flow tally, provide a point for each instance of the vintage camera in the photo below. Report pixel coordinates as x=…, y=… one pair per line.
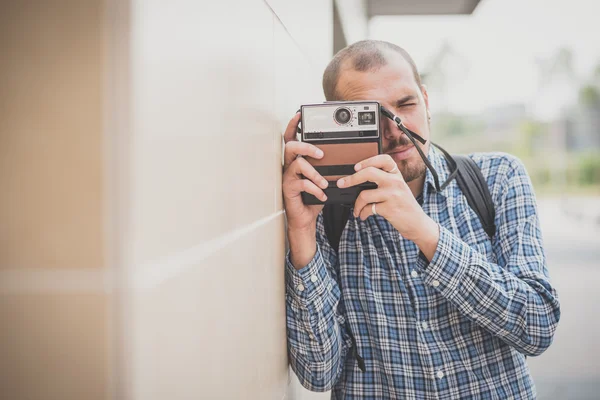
x=348, y=132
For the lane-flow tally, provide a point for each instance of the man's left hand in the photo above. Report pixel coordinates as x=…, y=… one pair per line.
x=393, y=200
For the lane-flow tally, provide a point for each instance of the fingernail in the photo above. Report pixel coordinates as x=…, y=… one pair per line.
x=324, y=184
x=357, y=167
x=319, y=153
x=324, y=198
x=340, y=182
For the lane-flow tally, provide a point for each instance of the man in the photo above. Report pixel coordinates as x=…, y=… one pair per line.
x=418, y=302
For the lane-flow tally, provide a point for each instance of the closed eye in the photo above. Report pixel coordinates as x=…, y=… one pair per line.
x=406, y=101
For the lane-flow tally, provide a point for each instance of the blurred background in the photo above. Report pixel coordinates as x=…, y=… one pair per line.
x=141, y=226
x=523, y=77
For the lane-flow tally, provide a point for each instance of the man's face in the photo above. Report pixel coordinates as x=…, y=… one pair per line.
x=394, y=86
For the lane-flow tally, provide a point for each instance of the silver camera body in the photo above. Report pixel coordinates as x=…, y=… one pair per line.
x=347, y=132
x=340, y=120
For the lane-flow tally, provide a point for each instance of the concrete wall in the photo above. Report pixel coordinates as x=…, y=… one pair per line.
x=54, y=310
x=200, y=249
x=141, y=225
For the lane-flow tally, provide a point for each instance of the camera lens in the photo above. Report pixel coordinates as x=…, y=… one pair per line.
x=342, y=115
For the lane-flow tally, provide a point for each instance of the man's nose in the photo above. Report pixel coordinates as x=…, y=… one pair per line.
x=390, y=129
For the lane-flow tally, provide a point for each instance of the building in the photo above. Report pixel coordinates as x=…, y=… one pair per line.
x=142, y=229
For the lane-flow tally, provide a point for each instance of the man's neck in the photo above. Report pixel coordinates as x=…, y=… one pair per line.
x=416, y=185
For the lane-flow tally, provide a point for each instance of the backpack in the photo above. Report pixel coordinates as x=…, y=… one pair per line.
x=470, y=181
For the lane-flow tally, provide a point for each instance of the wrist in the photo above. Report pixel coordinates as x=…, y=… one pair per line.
x=303, y=245
x=302, y=232
x=428, y=238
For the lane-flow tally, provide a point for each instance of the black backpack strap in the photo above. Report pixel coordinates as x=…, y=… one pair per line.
x=335, y=217
x=474, y=186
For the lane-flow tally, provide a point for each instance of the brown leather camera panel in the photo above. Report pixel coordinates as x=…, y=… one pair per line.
x=344, y=154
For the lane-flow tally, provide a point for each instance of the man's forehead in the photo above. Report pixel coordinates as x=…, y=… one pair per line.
x=396, y=73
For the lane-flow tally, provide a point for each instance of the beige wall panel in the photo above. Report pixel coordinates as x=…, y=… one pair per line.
x=297, y=76
x=297, y=82
x=310, y=24
x=293, y=86
x=211, y=95
x=203, y=122
x=216, y=331
x=50, y=134
x=298, y=392
x=53, y=347
x=301, y=56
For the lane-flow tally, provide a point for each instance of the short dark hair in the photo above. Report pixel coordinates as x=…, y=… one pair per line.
x=365, y=55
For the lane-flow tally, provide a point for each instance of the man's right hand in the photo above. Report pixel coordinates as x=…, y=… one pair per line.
x=301, y=218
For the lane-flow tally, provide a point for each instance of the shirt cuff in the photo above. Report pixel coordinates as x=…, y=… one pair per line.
x=310, y=282
x=449, y=264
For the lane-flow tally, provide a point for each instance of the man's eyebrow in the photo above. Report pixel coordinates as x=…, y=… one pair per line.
x=405, y=100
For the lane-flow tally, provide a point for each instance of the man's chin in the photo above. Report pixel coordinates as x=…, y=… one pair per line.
x=412, y=169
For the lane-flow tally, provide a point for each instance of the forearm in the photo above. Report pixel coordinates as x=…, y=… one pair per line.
x=316, y=340
x=521, y=308
x=303, y=246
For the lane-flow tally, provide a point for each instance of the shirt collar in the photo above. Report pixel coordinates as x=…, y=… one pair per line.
x=438, y=161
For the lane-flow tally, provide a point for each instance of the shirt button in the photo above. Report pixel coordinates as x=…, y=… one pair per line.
x=300, y=288
x=435, y=283
x=440, y=374
x=414, y=274
x=313, y=278
x=424, y=325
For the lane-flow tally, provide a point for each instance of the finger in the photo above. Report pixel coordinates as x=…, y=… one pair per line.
x=290, y=131
x=367, y=211
x=381, y=161
x=369, y=174
x=366, y=197
x=294, y=149
x=301, y=167
x=294, y=188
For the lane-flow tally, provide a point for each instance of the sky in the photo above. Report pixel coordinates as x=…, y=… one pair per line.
x=500, y=43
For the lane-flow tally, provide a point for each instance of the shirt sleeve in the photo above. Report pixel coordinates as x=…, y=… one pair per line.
x=317, y=339
x=513, y=299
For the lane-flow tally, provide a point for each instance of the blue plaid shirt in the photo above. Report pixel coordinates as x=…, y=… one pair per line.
x=378, y=321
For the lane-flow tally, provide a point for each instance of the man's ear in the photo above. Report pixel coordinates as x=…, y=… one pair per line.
x=425, y=96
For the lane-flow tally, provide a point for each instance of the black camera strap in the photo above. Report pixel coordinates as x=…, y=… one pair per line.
x=468, y=176
x=413, y=137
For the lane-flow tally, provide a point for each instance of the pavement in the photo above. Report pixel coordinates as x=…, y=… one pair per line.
x=570, y=368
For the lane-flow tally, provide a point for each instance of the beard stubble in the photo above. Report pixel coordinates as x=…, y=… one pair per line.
x=411, y=169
